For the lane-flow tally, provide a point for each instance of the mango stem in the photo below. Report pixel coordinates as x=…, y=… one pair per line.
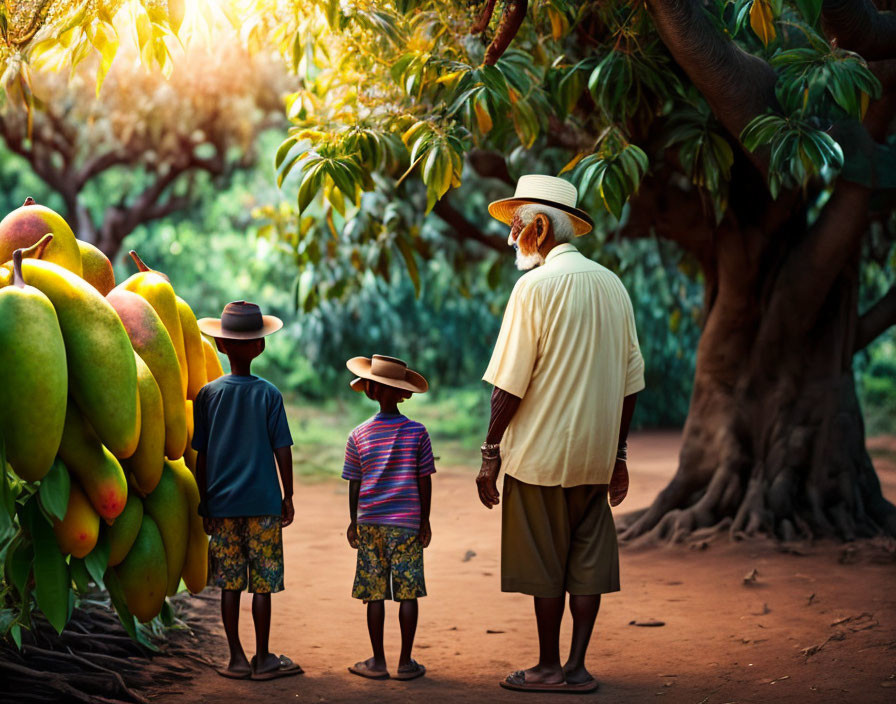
x=17, y=278
x=29, y=201
x=138, y=261
x=36, y=251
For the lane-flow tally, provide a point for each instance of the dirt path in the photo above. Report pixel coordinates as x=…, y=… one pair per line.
x=723, y=641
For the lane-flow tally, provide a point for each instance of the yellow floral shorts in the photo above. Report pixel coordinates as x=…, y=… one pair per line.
x=250, y=545
x=390, y=564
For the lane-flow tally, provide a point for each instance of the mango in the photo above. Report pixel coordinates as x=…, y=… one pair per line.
x=154, y=287
x=168, y=507
x=97, y=470
x=142, y=572
x=152, y=342
x=77, y=533
x=97, y=268
x=25, y=226
x=213, y=368
x=146, y=462
x=123, y=531
x=193, y=348
x=195, y=570
x=33, y=379
x=102, y=375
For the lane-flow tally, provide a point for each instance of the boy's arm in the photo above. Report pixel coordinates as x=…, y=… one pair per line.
x=354, y=491
x=284, y=464
x=202, y=483
x=424, y=485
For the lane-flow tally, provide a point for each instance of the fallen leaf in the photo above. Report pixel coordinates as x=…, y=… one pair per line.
x=751, y=576
x=779, y=679
x=652, y=623
x=469, y=555
x=490, y=631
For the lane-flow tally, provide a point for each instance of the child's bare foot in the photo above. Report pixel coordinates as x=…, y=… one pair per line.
x=237, y=669
x=370, y=669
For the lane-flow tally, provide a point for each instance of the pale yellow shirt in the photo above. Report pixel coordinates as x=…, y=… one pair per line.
x=568, y=347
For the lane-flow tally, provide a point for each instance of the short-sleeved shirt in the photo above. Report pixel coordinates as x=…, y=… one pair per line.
x=387, y=454
x=569, y=349
x=238, y=422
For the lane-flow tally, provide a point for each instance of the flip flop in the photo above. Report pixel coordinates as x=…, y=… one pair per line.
x=287, y=668
x=231, y=675
x=413, y=670
x=516, y=681
x=361, y=669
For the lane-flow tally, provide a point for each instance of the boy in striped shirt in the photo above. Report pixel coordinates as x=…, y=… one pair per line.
x=389, y=463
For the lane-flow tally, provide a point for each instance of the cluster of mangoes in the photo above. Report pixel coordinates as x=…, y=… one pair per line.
x=100, y=379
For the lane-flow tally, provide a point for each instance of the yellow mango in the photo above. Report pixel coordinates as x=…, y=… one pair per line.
x=97, y=268
x=193, y=349
x=146, y=462
x=143, y=574
x=102, y=375
x=33, y=379
x=189, y=452
x=77, y=533
x=195, y=570
x=25, y=226
x=213, y=368
x=151, y=341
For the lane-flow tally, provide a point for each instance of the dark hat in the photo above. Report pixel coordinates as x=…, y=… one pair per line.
x=240, y=321
x=386, y=370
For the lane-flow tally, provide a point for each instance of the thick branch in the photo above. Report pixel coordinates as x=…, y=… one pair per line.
x=737, y=85
x=481, y=23
x=858, y=26
x=490, y=164
x=876, y=320
x=462, y=229
x=511, y=19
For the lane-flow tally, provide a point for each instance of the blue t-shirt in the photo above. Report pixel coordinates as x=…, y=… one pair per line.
x=238, y=422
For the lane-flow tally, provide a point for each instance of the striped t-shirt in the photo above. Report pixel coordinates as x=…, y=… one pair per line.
x=387, y=454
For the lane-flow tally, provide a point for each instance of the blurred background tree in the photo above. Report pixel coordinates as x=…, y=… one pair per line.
x=738, y=155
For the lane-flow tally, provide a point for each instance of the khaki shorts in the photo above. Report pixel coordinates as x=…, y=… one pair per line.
x=556, y=540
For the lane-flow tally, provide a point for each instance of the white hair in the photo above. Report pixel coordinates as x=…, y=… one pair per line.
x=561, y=223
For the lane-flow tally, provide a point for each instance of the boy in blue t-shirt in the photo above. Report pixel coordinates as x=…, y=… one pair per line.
x=239, y=427
x=389, y=463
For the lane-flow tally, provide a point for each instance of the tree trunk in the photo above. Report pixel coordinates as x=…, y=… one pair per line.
x=774, y=443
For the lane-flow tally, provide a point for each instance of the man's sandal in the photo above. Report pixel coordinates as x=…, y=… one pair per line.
x=363, y=670
x=411, y=671
x=287, y=668
x=516, y=681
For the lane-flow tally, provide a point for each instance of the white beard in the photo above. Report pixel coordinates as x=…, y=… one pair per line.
x=525, y=262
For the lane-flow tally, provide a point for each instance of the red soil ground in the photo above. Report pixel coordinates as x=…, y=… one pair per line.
x=723, y=640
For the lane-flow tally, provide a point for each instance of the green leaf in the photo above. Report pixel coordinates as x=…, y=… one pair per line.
x=52, y=582
x=54, y=490
x=410, y=261
x=809, y=9
x=116, y=595
x=19, y=561
x=80, y=575
x=166, y=615
x=97, y=561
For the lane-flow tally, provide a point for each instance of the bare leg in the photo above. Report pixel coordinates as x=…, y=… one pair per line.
x=584, y=613
x=407, y=619
x=230, y=615
x=548, y=615
x=376, y=623
x=261, y=615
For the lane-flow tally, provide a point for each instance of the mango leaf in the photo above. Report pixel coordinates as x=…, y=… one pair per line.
x=408, y=253
x=54, y=490
x=80, y=575
x=120, y=604
x=97, y=561
x=166, y=615
x=52, y=582
x=19, y=561
x=176, y=12
x=762, y=20
x=809, y=9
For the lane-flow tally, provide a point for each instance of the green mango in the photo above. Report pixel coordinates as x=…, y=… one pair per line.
x=146, y=462
x=168, y=505
x=97, y=268
x=123, y=531
x=142, y=572
x=195, y=572
x=25, y=226
x=152, y=342
x=95, y=467
x=33, y=379
x=101, y=369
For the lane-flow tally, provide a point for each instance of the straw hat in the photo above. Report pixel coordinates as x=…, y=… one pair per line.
x=544, y=190
x=240, y=321
x=386, y=370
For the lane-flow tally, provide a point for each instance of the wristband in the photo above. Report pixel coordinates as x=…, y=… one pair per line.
x=622, y=452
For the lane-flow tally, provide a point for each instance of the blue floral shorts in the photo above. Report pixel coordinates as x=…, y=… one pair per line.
x=390, y=564
x=250, y=545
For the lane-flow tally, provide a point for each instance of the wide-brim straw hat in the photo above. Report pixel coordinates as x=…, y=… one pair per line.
x=386, y=370
x=543, y=190
x=240, y=321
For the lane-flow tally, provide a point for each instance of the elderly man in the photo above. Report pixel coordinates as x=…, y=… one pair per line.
x=565, y=370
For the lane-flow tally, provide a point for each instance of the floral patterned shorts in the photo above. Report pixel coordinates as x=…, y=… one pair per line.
x=390, y=564
x=247, y=544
